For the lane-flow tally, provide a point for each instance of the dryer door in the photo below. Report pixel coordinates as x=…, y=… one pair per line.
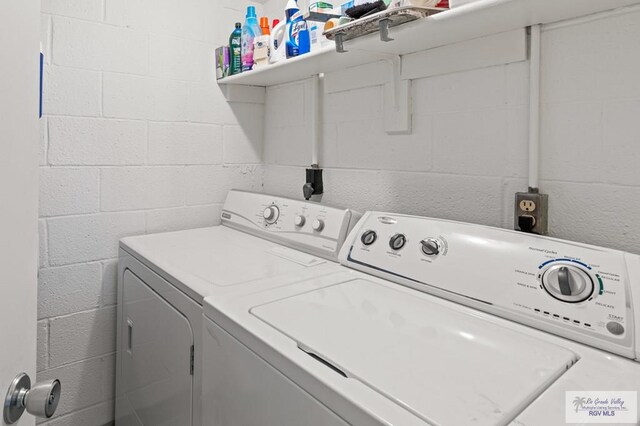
x=156, y=370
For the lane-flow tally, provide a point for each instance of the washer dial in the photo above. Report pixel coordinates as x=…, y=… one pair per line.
x=397, y=242
x=271, y=214
x=430, y=247
x=369, y=237
x=299, y=221
x=568, y=283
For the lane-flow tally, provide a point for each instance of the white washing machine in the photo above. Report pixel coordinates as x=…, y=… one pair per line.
x=263, y=241
x=445, y=323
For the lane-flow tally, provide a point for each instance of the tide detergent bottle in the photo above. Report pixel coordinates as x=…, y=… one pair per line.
x=298, y=38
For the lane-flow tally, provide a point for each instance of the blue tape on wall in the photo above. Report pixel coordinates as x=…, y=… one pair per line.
x=41, y=78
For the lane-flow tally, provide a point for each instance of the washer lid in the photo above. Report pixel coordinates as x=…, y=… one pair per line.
x=442, y=363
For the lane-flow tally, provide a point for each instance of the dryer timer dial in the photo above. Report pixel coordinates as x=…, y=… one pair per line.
x=318, y=225
x=271, y=214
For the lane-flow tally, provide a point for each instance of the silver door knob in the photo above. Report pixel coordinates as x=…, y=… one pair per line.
x=40, y=400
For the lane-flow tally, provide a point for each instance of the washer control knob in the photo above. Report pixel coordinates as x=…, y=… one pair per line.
x=369, y=237
x=299, y=221
x=397, y=241
x=271, y=214
x=430, y=247
x=568, y=283
x=318, y=225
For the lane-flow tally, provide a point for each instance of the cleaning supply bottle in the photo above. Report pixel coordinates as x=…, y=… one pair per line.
x=235, y=50
x=264, y=26
x=278, y=41
x=250, y=31
x=298, y=38
x=261, y=45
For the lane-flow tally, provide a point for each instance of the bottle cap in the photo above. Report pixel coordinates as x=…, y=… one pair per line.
x=264, y=26
x=251, y=12
x=275, y=22
x=238, y=25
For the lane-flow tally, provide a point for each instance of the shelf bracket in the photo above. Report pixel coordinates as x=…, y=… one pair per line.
x=244, y=94
x=384, y=30
x=340, y=44
x=397, y=100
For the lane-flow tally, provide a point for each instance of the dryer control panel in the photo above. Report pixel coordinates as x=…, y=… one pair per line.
x=304, y=225
x=582, y=292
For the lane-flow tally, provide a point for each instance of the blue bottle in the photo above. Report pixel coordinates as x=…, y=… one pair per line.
x=250, y=31
x=298, y=38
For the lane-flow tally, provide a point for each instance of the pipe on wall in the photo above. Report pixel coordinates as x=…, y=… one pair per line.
x=317, y=106
x=534, y=108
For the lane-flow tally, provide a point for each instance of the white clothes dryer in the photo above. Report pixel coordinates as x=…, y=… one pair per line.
x=263, y=241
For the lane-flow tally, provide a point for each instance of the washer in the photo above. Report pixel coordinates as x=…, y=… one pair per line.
x=263, y=241
x=449, y=324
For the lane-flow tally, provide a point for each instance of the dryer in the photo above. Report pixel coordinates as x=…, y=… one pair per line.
x=431, y=322
x=263, y=241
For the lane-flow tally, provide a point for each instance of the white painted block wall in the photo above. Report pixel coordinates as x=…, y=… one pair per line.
x=467, y=155
x=136, y=138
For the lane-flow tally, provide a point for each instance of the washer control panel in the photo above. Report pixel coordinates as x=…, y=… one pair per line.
x=583, y=292
x=308, y=226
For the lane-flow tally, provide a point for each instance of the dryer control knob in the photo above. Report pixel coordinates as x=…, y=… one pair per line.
x=299, y=221
x=318, y=225
x=568, y=283
x=430, y=247
x=271, y=214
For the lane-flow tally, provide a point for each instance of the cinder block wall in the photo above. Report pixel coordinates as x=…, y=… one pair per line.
x=136, y=138
x=468, y=153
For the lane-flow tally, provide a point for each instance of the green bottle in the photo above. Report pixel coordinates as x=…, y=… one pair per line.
x=235, y=50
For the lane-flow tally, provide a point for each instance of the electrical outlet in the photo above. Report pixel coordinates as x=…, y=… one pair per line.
x=527, y=205
x=532, y=212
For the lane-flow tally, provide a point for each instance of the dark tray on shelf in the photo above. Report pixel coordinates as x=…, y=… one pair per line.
x=379, y=22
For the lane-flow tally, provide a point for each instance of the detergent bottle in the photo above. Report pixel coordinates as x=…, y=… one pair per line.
x=298, y=39
x=278, y=41
x=235, y=50
x=250, y=31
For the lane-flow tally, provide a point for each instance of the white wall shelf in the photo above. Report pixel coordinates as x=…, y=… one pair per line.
x=485, y=17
